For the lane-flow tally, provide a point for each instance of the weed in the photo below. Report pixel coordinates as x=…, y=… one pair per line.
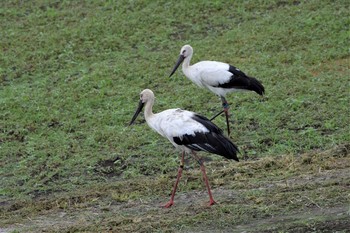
x=71, y=72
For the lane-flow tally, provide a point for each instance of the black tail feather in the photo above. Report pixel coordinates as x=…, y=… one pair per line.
x=210, y=142
x=255, y=85
x=240, y=80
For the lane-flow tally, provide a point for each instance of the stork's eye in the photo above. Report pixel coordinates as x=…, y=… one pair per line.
x=183, y=52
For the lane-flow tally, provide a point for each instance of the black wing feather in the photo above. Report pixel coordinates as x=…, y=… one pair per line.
x=240, y=80
x=207, y=123
x=213, y=141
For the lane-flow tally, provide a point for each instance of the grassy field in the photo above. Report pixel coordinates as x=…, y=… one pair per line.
x=70, y=77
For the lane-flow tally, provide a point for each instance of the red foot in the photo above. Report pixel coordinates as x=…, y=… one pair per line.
x=169, y=204
x=212, y=202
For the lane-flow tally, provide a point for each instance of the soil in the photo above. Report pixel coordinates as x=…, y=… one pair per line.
x=148, y=214
x=187, y=204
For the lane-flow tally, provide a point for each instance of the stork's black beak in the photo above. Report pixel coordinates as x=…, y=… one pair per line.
x=137, y=112
x=179, y=61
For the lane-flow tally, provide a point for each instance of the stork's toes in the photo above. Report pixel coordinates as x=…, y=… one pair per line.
x=169, y=204
x=212, y=202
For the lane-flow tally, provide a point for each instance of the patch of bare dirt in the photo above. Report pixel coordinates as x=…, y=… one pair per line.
x=312, y=197
x=129, y=216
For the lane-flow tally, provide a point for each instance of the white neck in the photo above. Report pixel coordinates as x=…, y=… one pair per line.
x=186, y=62
x=148, y=109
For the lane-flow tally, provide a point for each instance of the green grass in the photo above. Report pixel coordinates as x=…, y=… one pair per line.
x=71, y=73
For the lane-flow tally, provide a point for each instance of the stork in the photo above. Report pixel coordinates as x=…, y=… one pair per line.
x=220, y=78
x=188, y=132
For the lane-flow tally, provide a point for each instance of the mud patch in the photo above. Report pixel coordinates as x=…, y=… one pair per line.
x=308, y=193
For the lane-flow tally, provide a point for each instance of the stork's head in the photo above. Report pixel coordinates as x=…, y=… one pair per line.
x=145, y=96
x=186, y=51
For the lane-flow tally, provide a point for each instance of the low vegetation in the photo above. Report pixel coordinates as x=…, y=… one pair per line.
x=70, y=76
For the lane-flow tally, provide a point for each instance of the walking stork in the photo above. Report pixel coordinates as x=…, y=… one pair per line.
x=188, y=132
x=220, y=78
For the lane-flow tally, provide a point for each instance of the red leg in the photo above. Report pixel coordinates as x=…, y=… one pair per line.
x=211, y=199
x=226, y=107
x=227, y=122
x=179, y=172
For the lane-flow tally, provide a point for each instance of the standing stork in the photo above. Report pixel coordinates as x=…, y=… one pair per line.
x=220, y=78
x=188, y=132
